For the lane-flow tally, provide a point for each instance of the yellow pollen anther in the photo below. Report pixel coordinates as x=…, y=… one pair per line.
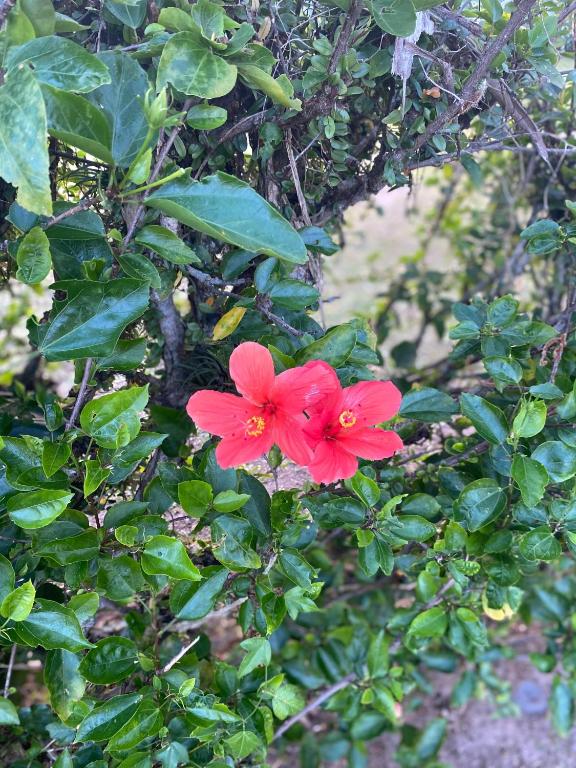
x=255, y=426
x=347, y=419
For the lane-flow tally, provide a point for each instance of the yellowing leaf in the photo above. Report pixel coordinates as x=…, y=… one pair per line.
x=228, y=323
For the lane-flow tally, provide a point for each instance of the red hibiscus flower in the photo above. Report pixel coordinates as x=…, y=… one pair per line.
x=343, y=427
x=269, y=411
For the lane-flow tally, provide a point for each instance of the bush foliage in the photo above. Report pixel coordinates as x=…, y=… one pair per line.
x=176, y=174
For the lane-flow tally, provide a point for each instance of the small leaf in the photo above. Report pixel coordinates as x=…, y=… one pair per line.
x=487, y=418
x=430, y=623
x=19, y=603
x=258, y=653
x=8, y=713
x=168, y=556
x=532, y=479
x=113, y=659
x=427, y=404
x=33, y=257
x=228, y=323
x=54, y=456
x=114, y=420
x=36, y=509
x=480, y=503
x=540, y=544
x=94, y=476
x=530, y=419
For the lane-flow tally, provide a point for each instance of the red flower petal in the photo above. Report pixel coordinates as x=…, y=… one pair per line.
x=301, y=388
x=332, y=462
x=291, y=440
x=252, y=370
x=372, y=402
x=219, y=412
x=370, y=443
x=236, y=449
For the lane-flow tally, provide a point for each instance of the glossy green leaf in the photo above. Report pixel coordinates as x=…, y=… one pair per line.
x=166, y=244
x=562, y=706
x=54, y=456
x=558, y=459
x=33, y=257
x=192, y=601
x=480, y=503
x=335, y=347
x=427, y=404
x=258, y=653
x=278, y=90
x=119, y=577
x=94, y=476
x=64, y=682
x=540, y=544
x=232, y=539
x=53, y=627
x=113, y=659
x=36, y=509
x=23, y=148
x=146, y=721
x=190, y=65
x=8, y=713
x=168, y=556
x=228, y=209
x=206, y=117
x=61, y=63
x=41, y=14
x=89, y=322
x=487, y=418
x=18, y=604
x=113, y=420
x=531, y=477
x=397, y=17
x=82, y=547
x=530, y=419
x=430, y=623
x=107, y=719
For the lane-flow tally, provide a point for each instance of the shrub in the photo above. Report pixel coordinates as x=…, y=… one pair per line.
x=181, y=170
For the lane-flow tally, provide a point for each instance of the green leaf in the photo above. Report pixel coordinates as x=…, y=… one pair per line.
x=139, y=266
x=7, y=577
x=488, y=419
x=430, y=623
x=335, y=347
x=65, y=684
x=53, y=626
x=480, y=503
x=562, y=707
x=122, y=103
x=232, y=537
x=33, y=257
x=23, y=147
x=145, y=722
x=504, y=370
x=279, y=90
x=72, y=549
x=293, y=294
x=60, y=63
x=17, y=605
x=41, y=14
x=168, y=556
x=365, y=488
x=427, y=404
x=113, y=659
x=54, y=456
x=502, y=311
x=397, y=17
x=119, y=577
x=411, y=528
x=530, y=419
x=130, y=14
x=540, y=544
x=113, y=420
x=228, y=209
x=206, y=117
x=191, y=601
x=230, y=501
x=377, y=659
x=107, y=719
x=75, y=121
x=195, y=496
x=243, y=744
x=90, y=321
x=258, y=653
x=287, y=700
x=532, y=479
x=8, y=713
x=190, y=65
x=94, y=476
x=166, y=244
x=36, y=509
x=558, y=458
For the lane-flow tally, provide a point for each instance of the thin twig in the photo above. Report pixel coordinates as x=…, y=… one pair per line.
x=313, y=705
x=9, y=669
x=188, y=626
x=181, y=653
x=5, y=9
x=81, y=395
x=296, y=179
x=263, y=305
x=81, y=206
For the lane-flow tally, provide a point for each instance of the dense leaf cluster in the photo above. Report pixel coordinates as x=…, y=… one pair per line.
x=175, y=173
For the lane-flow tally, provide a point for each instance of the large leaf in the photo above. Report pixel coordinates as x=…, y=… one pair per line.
x=145, y=722
x=427, y=404
x=41, y=14
x=488, y=419
x=558, y=458
x=104, y=721
x=480, y=503
x=23, y=147
x=75, y=121
x=60, y=63
x=122, y=102
x=89, y=322
x=193, y=600
x=397, y=17
x=113, y=659
x=164, y=555
x=232, y=537
x=228, y=209
x=53, y=626
x=36, y=509
x=190, y=65
x=113, y=420
x=166, y=244
x=64, y=682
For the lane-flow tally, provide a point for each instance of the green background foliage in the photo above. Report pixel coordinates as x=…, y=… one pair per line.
x=172, y=176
